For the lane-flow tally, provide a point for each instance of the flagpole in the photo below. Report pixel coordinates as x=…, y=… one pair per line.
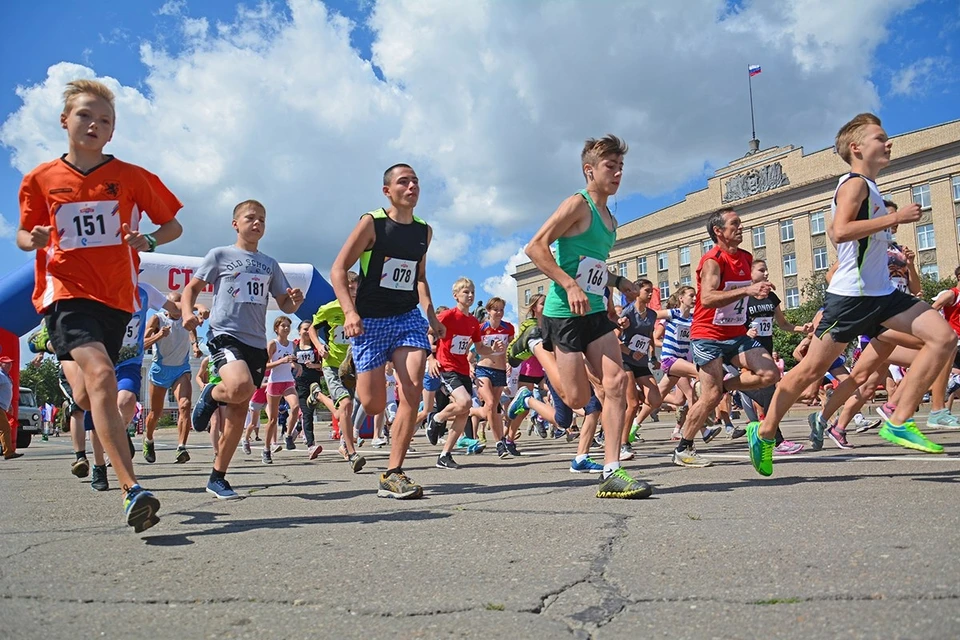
x=753, y=126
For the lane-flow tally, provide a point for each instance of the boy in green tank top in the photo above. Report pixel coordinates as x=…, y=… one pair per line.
x=576, y=323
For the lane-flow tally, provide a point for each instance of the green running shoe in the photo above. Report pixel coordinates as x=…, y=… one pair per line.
x=761, y=450
x=518, y=407
x=619, y=484
x=632, y=436
x=519, y=348
x=908, y=436
x=149, y=451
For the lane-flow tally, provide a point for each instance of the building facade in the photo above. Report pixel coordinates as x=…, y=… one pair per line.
x=783, y=198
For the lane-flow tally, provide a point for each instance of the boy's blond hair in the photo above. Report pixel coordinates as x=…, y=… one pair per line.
x=92, y=87
x=248, y=203
x=852, y=133
x=596, y=150
x=461, y=284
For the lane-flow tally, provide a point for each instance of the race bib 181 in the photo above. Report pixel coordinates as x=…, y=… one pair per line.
x=251, y=288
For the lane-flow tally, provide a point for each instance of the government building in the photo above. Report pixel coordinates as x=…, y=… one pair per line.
x=783, y=197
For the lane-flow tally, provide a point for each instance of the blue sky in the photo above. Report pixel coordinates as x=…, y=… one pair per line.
x=464, y=79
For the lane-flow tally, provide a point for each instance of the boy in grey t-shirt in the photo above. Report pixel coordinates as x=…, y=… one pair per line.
x=242, y=278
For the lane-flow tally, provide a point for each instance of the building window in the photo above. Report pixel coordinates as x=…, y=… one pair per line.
x=642, y=266
x=820, y=259
x=662, y=260
x=759, y=237
x=790, y=264
x=540, y=290
x=685, y=256
x=686, y=280
x=956, y=188
x=925, y=237
x=793, y=298
x=707, y=245
x=526, y=296
x=817, y=223
x=786, y=230
x=930, y=271
x=622, y=269
x=921, y=195
x=664, y=289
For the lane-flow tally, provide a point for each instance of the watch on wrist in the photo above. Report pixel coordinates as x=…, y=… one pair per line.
x=152, y=242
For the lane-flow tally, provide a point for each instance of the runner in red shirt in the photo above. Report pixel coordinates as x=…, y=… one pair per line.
x=718, y=335
x=451, y=364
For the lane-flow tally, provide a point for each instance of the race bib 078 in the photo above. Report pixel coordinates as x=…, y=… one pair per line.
x=398, y=274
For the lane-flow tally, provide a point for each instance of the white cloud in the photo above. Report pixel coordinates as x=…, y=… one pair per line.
x=489, y=100
x=504, y=286
x=499, y=251
x=172, y=8
x=916, y=78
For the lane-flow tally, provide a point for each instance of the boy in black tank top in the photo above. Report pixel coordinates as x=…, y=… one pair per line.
x=384, y=323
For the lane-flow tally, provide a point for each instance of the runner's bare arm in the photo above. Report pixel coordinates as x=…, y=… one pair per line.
x=845, y=226
x=712, y=298
x=786, y=325
x=189, y=298
x=360, y=239
x=152, y=333
x=944, y=299
x=913, y=283
x=567, y=220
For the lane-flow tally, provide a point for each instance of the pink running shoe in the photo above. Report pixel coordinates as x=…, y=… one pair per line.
x=787, y=448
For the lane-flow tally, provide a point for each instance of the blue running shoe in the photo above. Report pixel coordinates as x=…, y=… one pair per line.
x=205, y=408
x=518, y=407
x=476, y=448
x=588, y=465
x=222, y=490
x=140, y=507
x=709, y=433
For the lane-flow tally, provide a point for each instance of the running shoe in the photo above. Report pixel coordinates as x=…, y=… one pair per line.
x=709, y=433
x=587, y=465
x=520, y=349
x=463, y=442
x=315, y=450
x=80, y=468
x=787, y=448
x=619, y=484
x=222, y=490
x=559, y=433
x=314, y=394
x=738, y=432
x=446, y=461
x=183, y=456
x=433, y=429
x=398, y=486
x=864, y=425
x=761, y=450
x=266, y=457
x=541, y=426
x=476, y=449
x=205, y=408
x=140, y=507
x=626, y=452
x=839, y=436
x=817, y=428
x=518, y=406
x=512, y=448
x=245, y=445
x=378, y=443
x=908, y=436
x=676, y=433
x=502, y=450
x=356, y=462
x=885, y=411
x=149, y=451
x=483, y=436
x=943, y=418
x=342, y=450
x=690, y=458
x=290, y=443
x=360, y=441
x=277, y=448
x=98, y=479
x=634, y=435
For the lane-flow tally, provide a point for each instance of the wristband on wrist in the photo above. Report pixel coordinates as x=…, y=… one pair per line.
x=152, y=242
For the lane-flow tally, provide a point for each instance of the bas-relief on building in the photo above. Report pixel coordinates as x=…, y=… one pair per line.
x=783, y=197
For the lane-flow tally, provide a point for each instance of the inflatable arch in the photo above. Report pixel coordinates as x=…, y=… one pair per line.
x=166, y=272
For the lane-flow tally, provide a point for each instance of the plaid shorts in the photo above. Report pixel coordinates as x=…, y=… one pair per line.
x=382, y=336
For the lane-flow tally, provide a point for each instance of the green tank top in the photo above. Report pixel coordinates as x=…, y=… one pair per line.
x=594, y=244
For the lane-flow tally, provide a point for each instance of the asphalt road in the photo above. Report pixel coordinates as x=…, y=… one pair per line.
x=837, y=544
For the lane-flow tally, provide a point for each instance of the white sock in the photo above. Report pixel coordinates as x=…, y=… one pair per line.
x=609, y=468
x=581, y=457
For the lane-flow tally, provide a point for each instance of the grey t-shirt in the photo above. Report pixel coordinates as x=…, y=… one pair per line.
x=639, y=334
x=241, y=282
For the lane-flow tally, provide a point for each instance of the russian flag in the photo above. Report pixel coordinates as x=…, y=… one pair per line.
x=753, y=70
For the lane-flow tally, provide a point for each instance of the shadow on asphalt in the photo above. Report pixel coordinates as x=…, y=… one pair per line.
x=933, y=476
x=241, y=526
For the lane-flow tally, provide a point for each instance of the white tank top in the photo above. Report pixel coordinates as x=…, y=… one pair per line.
x=284, y=372
x=862, y=264
x=174, y=350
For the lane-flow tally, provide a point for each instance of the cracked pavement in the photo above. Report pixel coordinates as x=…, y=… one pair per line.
x=837, y=544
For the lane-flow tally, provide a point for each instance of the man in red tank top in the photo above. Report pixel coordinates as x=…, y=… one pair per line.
x=718, y=335
x=948, y=303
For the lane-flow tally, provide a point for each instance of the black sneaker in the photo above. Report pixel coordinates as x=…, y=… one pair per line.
x=290, y=444
x=98, y=479
x=80, y=468
x=502, y=450
x=512, y=448
x=446, y=461
x=204, y=409
x=619, y=484
x=149, y=451
x=433, y=429
x=738, y=432
x=183, y=456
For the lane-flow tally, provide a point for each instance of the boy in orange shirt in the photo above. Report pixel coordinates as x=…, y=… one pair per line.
x=81, y=214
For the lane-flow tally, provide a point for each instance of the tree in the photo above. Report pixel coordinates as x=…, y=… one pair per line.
x=932, y=286
x=812, y=294
x=43, y=378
